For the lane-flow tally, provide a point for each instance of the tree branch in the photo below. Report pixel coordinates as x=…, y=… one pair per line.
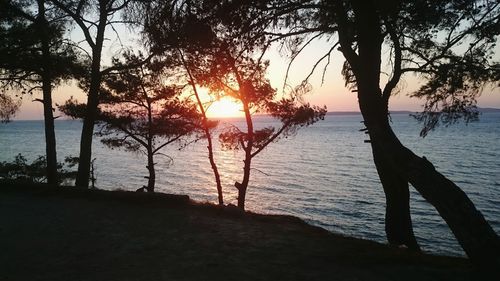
x=396, y=74
x=78, y=19
x=168, y=142
x=270, y=140
x=128, y=66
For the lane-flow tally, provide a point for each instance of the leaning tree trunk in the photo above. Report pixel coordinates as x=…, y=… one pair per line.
x=366, y=68
x=206, y=129
x=470, y=228
x=48, y=115
x=475, y=235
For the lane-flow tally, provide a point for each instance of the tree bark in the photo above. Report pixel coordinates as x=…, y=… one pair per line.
x=82, y=178
x=151, y=164
x=152, y=172
x=242, y=187
x=474, y=234
x=214, y=166
x=398, y=224
x=50, y=136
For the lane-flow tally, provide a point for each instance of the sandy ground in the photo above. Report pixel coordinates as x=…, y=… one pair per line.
x=69, y=234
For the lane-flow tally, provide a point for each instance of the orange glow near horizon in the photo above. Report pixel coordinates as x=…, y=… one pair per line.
x=225, y=107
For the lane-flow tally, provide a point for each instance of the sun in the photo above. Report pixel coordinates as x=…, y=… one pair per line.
x=224, y=108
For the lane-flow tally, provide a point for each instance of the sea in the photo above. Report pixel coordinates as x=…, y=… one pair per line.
x=323, y=174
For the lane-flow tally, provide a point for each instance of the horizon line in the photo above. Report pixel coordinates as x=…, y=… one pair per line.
x=337, y=112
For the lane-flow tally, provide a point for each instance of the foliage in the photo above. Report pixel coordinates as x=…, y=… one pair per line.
x=223, y=43
x=139, y=102
x=35, y=171
x=174, y=31
x=136, y=105
x=453, y=52
x=234, y=67
x=197, y=25
x=244, y=80
x=292, y=115
x=21, y=52
x=8, y=107
x=34, y=57
x=450, y=45
x=140, y=110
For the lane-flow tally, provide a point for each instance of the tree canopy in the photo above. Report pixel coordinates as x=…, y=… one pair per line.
x=140, y=111
x=21, y=49
x=35, y=57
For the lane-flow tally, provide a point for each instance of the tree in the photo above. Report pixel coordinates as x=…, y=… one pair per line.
x=92, y=17
x=34, y=56
x=139, y=112
x=206, y=125
x=227, y=61
x=243, y=79
x=174, y=28
x=450, y=45
x=217, y=55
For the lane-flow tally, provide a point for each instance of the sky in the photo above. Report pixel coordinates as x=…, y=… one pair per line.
x=331, y=93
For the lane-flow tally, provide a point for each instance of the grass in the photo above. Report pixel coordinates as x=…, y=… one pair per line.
x=49, y=233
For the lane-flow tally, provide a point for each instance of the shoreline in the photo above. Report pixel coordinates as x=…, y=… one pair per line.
x=56, y=233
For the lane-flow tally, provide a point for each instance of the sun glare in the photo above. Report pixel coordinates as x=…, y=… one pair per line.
x=225, y=108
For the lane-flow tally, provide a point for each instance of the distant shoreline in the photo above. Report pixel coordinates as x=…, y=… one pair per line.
x=330, y=113
x=481, y=110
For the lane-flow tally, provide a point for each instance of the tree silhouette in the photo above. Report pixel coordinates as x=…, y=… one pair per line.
x=207, y=125
x=449, y=44
x=227, y=61
x=175, y=29
x=243, y=79
x=35, y=57
x=92, y=17
x=221, y=57
x=139, y=112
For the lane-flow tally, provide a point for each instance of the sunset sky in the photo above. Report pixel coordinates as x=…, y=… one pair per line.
x=332, y=93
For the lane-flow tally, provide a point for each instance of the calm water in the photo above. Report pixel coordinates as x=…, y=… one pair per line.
x=324, y=174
